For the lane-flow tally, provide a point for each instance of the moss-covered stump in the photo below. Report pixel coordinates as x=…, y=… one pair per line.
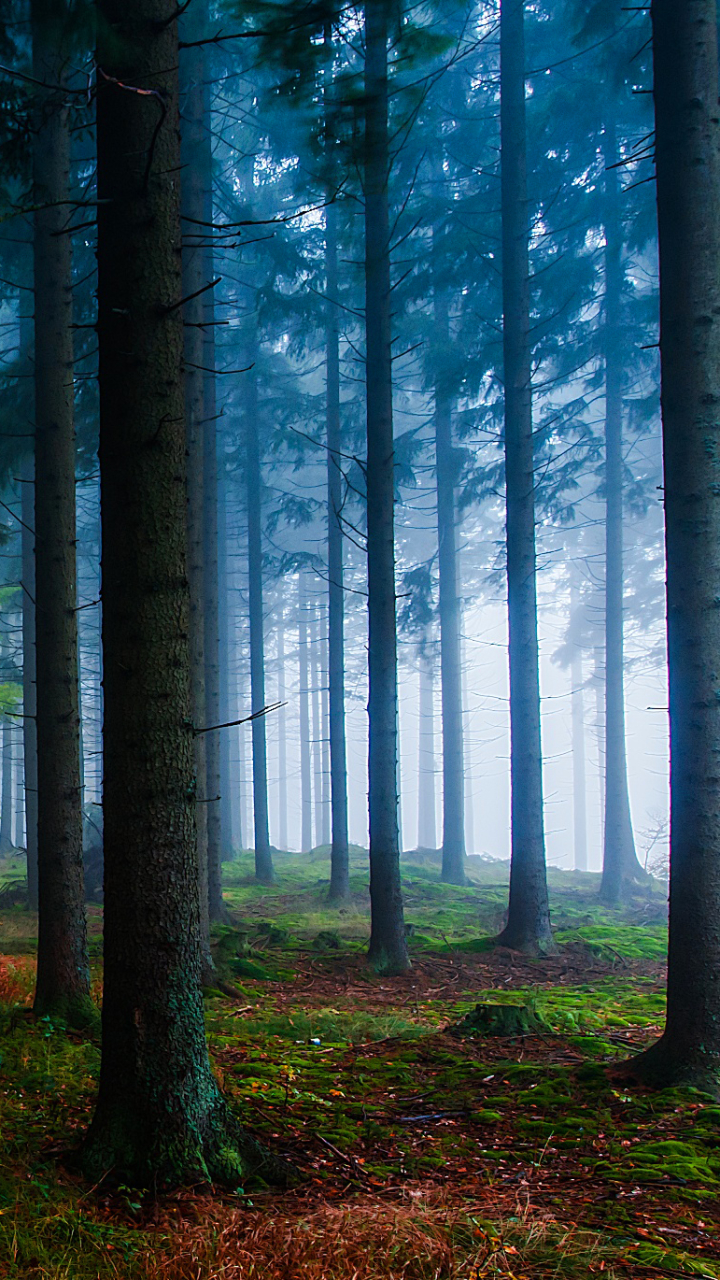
x=501, y=1020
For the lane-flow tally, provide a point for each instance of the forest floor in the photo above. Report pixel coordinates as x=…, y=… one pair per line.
x=426, y=1152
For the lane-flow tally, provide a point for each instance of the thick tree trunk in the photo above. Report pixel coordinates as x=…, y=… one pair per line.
x=688, y=175
x=427, y=820
x=453, y=861
x=339, y=853
x=620, y=864
x=160, y=1118
x=528, y=925
x=388, y=948
x=192, y=72
x=63, y=977
x=306, y=839
x=253, y=479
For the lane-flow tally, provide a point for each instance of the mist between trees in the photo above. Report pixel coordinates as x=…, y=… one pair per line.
x=332, y=488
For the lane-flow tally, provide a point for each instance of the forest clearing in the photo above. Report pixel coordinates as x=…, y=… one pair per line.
x=424, y=1151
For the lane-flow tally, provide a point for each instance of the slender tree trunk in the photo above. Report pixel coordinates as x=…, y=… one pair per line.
x=7, y=800
x=160, y=1118
x=213, y=704
x=620, y=864
x=325, y=736
x=578, y=759
x=29, y=724
x=229, y=837
x=316, y=725
x=453, y=861
x=339, y=853
x=253, y=477
x=63, y=978
x=688, y=175
x=192, y=71
x=282, y=735
x=427, y=821
x=528, y=925
x=388, y=948
x=305, y=774
x=19, y=778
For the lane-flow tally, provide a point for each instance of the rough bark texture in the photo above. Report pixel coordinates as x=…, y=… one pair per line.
x=620, y=864
x=253, y=479
x=63, y=977
x=304, y=712
x=388, y=949
x=217, y=849
x=528, y=925
x=453, y=854
x=160, y=1118
x=688, y=172
x=193, y=129
x=339, y=852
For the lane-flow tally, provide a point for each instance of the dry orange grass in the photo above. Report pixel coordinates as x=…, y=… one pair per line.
x=17, y=978
x=422, y=1237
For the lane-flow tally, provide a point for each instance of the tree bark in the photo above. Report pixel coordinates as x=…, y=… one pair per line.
x=160, y=1119
x=427, y=823
x=528, y=925
x=306, y=839
x=324, y=735
x=339, y=851
x=688, y=177
x=63, y=976
x=7, y=799
x=620, y=864
x=453, y=857
x=29, y=724
x=578, y=761
x=316, y=724
x=282, y=735
x=192, y=127
x=388, y=948
x=264, y=871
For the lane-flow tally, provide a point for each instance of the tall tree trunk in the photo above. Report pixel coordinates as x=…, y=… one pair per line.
x=427, y=822
x=528, y=925
x=339, y=852
x=160, y=1118
x=316, y=724
x=212, y=611
x=192, y=72
x=688, y=176
x=282, y=735
x=324, y=735
x=453, y=859
x=388, y=948
x=253, y=478
x=29, y=724
x=620, y=864
x=63, y=977
x=578, y=761
x=7, y=798
x=19, y=788
x=306, y=839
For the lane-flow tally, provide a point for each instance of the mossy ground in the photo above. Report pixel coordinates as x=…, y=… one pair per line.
x=426, y=1152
